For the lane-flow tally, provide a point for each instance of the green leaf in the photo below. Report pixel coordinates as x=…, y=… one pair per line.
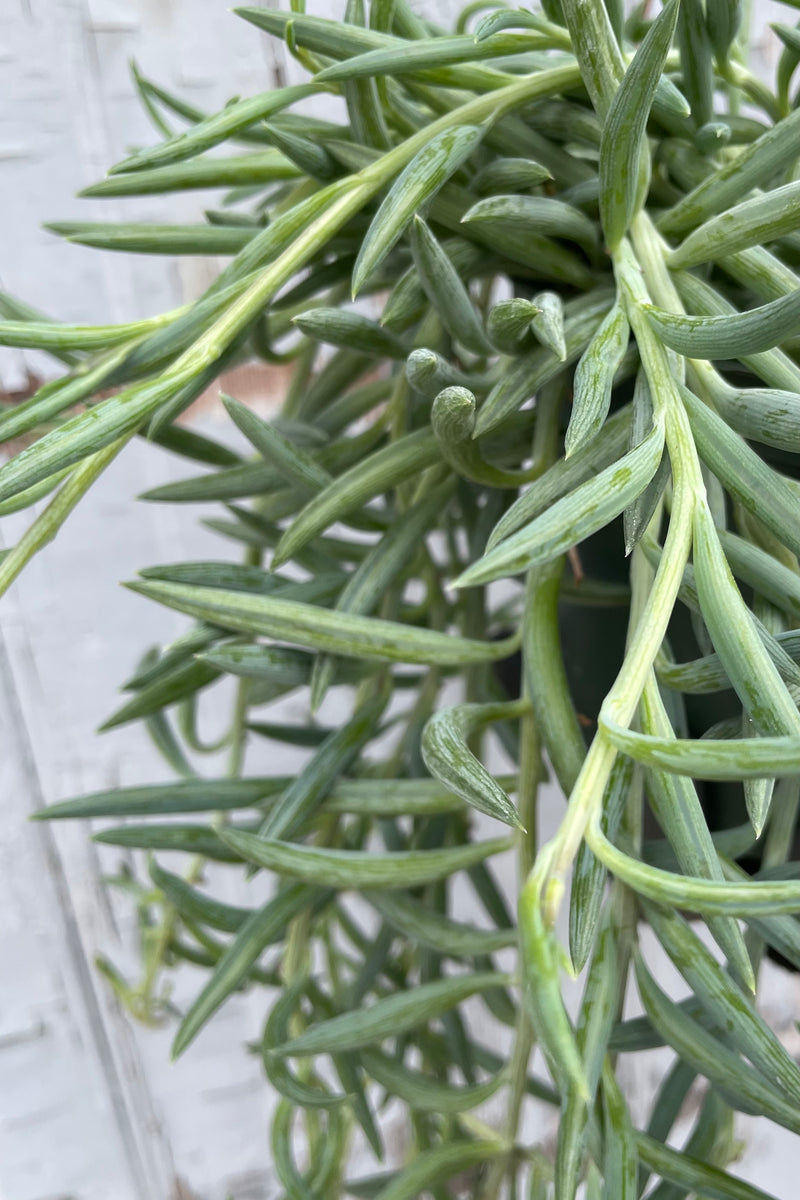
x=746, y=476
x=428, y=372
x=510, y=175
x=321, y=629
x=620, y=1145
x=237, y=577
x=749, y=668
x=380, y=567
x=535, y=214
x=424, y=175
x=344, y=327
x=195, y=446
x=338, y=751
x=350, y=1077
x=362, y=97
x=165, y=740
x=446, y=754
x=694, y=1175
x=231, y=120
x=545, y=676
x=162, y=799
x=782, y=933
x=188, y=839
x=598, y=1009
x=422, y=1092
x=726, y=1004
x=390, y=1016
x=594, y=380
x=762, y=160
x=767, y=415
x=231, y=171
x=706, y=675
x=291, y=735
x=571, y=519
x=348, y=869
x=196, y=905
x=587, y=892
x=730, y=336
x=295, y=464
x=532, y=371
x=710, y=1056
x=230, y=483
x=55, y=337
x=624, y=127
x=395, y=797
x=754, y=898
x=423, y=924
x=696, y=65
x=787, y=63
x=453, y=424
x=772, y=579
x=638, y=515
x=438, y=1164
x=154, y=239
x=548, y=323
x=59, y=395
x=445, y=290
x=290, y=668
x=311, y=158
x=508, y=322
x=773, y=366
x=374, y=475
x=282, y=1145
x=564, y=476
x=667, y=1105
x=597, y=51
x=184, y=681
x=434, y=55
x=12, y=309
x=505, y=19
x=260, y=930
x=677, y=809
x=83, y=436
x=709, y=758
x=723, y=19
x=762, y=218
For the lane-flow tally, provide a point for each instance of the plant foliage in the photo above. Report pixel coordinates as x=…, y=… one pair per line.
x=573, y=239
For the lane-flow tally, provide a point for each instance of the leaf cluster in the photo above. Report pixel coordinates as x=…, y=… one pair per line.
x=537, y=281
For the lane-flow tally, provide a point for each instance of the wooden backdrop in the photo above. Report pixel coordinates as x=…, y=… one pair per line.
x=90, y=1107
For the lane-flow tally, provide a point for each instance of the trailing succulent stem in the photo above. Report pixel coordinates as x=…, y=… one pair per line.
x=539, y=448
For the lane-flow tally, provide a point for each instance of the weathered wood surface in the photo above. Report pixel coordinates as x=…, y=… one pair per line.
x=90, y=1107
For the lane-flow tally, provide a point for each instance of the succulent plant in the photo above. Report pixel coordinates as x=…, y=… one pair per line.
x=535, y=278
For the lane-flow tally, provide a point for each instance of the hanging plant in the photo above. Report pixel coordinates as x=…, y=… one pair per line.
x=537, y=340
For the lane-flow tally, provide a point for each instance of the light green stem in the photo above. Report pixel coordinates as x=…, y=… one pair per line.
x=47, y=525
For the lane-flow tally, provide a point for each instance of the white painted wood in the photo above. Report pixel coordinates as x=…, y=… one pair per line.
x=90, y=1107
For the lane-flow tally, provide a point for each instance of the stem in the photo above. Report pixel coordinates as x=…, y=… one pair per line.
x=635, y=275
x=524, y=1041
x=545, y=449
x=47, y=524
x=238, y=733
